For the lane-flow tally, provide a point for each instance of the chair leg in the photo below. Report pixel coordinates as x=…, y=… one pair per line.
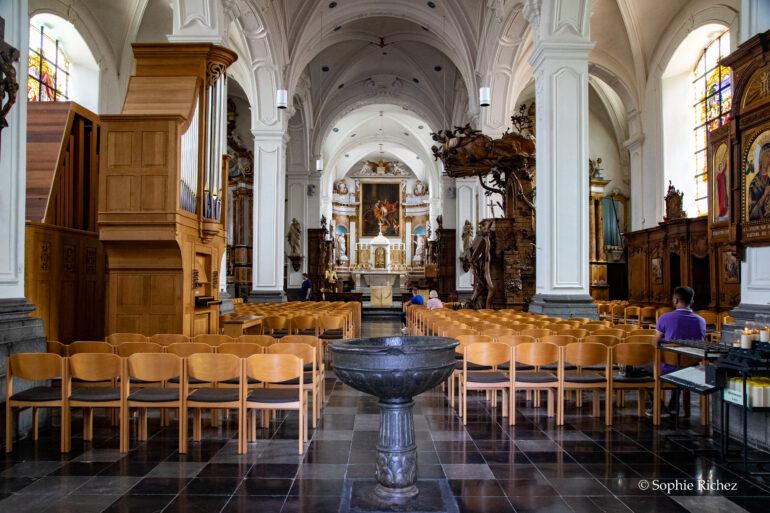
x=214, y=417
x=196, y=424
x=9, y=428
x=551, y=398
x=182, y=431
x=35, y=420
x=88, y=423
x=640, y=402
x=595, y=402
x=704, y=410
x=123, y=414
x=608, y=404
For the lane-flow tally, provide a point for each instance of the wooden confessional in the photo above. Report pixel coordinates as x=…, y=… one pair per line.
x=162, y=191
x=64, y=262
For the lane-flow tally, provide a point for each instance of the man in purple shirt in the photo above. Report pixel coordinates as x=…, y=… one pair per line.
x=681, y=324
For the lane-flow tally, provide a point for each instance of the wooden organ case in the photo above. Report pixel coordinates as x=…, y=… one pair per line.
x=161, y=202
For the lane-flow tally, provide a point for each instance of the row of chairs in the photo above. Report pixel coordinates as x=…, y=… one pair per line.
x=274, y=381
x=498, y=367
x=649, y=315
x=350, y=311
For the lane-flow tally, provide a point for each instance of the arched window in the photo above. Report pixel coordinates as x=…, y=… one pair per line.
x=712, y=95
x=48, y=67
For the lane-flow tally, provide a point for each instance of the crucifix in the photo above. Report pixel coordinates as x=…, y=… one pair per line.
x=8, y=84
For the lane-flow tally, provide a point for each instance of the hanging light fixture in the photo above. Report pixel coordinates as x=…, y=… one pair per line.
x=484, y=96
x=319, y=164
x=282, y=98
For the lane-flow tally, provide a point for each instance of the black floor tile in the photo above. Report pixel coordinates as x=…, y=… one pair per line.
x=473, y=504
x=212, y=486
x=159, y=486
x=312, y=487
x=143, y=503
x=185, y=503
x=247, y=504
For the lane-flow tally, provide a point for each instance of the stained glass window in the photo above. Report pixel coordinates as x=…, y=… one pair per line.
x=712, y=93
x=48, y=77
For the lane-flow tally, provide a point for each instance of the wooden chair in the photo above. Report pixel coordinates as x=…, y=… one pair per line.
x=212, y=340
x=56, y=347
x=652, y=332
x=634, y=355
x=613, y=332
x=607, y=340
x=153, y=368
x=166, y=339
x=496, y=333
x=536, y=355
x=489, y=354
x=128, y=348
x=275, y=325
x=641, y=339
x=583, y=356
x=559, y=340
x=90, y=347
x=647, y=316
x=627, y=328
x=578, y=333
x=185, y=349
x=276, y=368
x=604, y=310
x=240, y=349
x=119, y=338
x=331, y=328
x=456, y=332
x=538, y=333
x=34, y=367
x=579, y=320
x=660, y=311
x=261, y=340
x=305, y=325
x=212, y=369
x=312, y=380
x=632, y=315
x=95, y=368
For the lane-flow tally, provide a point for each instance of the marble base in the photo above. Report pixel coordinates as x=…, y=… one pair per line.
x=226, y=306
x=565, y=307
x=258, y=296
x=434, y=496
x=19, y=333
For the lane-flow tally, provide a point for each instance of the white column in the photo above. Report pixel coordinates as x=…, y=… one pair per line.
x=408, y=243
x=269, y=179
x=636, y=170
x=13, y=159
x=465, y=211
x=560, y=60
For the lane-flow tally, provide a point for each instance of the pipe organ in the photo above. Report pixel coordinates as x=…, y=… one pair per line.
x=162, y=191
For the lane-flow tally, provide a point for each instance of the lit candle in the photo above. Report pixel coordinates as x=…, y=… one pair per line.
x=746, y=339
x=764, y=334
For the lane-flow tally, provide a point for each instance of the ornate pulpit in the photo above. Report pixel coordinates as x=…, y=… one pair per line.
x=162, y=191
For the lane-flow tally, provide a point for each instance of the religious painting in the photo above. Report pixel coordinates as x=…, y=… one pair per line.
x=730, y=267
x=757, y=179
x=380, y=209
x=720, y=186
x=657, y=270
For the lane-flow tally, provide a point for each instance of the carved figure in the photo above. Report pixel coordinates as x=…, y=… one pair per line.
x=477, y=258
x=674, y=203
x=467, y=234
x=342, y=252
x=419, y=251
x=294, y=237
x=420, y=189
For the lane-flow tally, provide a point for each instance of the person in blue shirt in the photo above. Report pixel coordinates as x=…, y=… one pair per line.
x=416, y=300
x=306, y=291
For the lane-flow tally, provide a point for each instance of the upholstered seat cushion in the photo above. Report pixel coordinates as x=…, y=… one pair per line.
x=95, y=394
x=213, y=395
x=584, y=377
x=332, y=334
x=620, y=378
x=78, y=380
x=38, y=394
x=536, y=377
x=273, y=395
x=472, y=366
x=280, y=333
x=487, y=377
x=310, y=332
x=554, y=367
x=235, y=381
x=519, y=366
x=307, y=377
x=192, y=381
x=154, y=395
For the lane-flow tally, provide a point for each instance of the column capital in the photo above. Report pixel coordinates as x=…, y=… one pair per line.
x=274, y=136
x=564, y=51
x=634, y=142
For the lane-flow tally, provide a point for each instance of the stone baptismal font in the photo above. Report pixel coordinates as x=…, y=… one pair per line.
x=395, y=369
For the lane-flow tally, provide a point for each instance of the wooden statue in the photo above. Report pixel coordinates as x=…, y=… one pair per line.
x=674, y=208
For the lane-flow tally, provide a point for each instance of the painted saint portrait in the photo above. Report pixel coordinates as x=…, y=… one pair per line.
x=720, y=188
x=730, y=267
x=757, y=182
x=657, y=270
x=380, y=207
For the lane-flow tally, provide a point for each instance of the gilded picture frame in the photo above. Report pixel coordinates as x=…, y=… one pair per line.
x=381, y=202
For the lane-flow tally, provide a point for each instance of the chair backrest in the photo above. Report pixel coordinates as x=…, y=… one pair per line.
x=36, y=366
x=578, y=333
x=605, y=324
x=213, y=367
x=154, y=366
x=56, y=347
x=332, y=322
x=212, y=339
x=119, y=338
x=633, y=354
x=523, y=326
x=473, y=339
x=188, y=348
x=536, y=353
x=304, y=322
x=240, y=349
x=613, y=332
x=711, y=318
x=586, y=353
x=274, y=367
x=627, y=328
x=166, y=339
x=496, y=333
x=487, y=353
x=662, y=310
x=640, y=339
x=262, y=340
x=95, y=366
x=515, y=340
x=607, y=340
x=618, y=310
x=305, y=352
x=647, y=312
x=642, y=332
x=538, y=333
x=727, y=319
x=456, y=332
x=578, y=320
x=275, y=322
x=128, y=348
x=90, y=347
x=559, y=340
x=632, y=311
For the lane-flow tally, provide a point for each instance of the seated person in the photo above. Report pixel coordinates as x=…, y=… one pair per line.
x=416, y=300
x=681, y=324
x=434, y=301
